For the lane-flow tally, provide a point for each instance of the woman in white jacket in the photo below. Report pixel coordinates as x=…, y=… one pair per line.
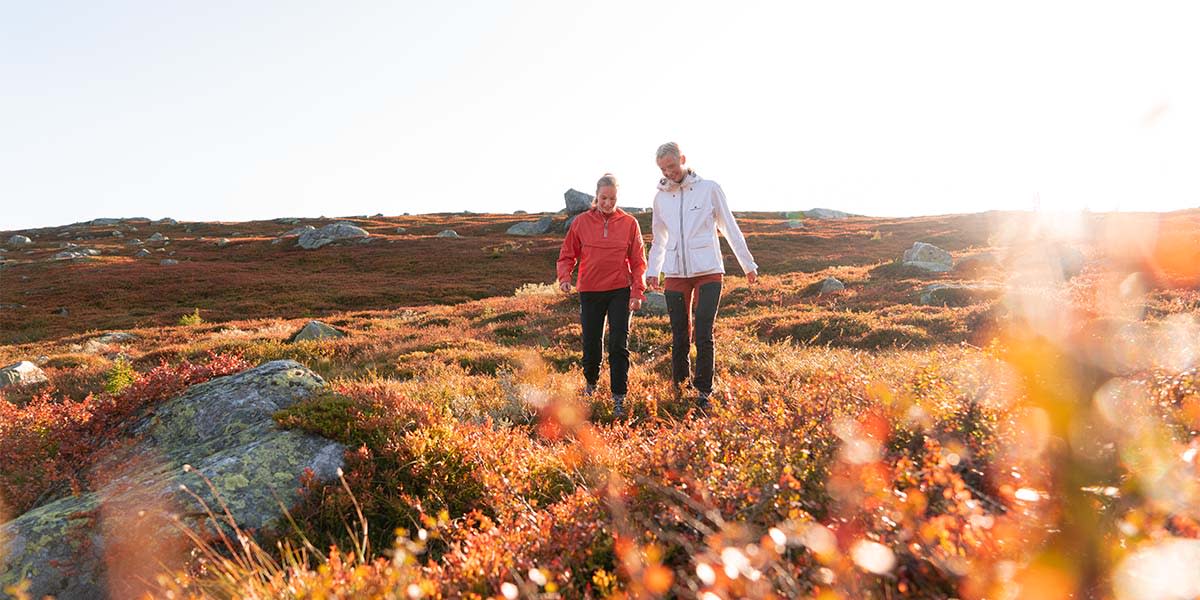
x=688, y=214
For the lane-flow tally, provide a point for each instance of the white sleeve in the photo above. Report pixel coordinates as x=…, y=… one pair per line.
x=658, y=245
x=728, y=227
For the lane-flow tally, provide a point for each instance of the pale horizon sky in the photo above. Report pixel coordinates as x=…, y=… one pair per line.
x=236, y=111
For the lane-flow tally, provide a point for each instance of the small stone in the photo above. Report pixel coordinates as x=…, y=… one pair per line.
x=168, y=261
x=316, y=330
x=830, y=285
x=157, y=237
x=654, y=304
x=21, y=373
x=928, y=257
x=19, y=240
x=448, y=233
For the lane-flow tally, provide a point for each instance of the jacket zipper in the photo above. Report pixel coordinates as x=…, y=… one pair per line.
x=683, y=251
x=605, y=226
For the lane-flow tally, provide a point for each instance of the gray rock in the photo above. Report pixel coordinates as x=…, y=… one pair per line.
x=316, y=330
x=299, y=231
x=928, y=257
x=948, y=294
x=222, y=429
x=103, y=222
x=116, y=233
x=401, y=230
x=577, y=201
x=62, y=311
x=830, y=285
x=19, y=240
x=115, y=337
x=288, y=221
x=21, y=373
x=448, y=233
x=168, y=262
x=223, y=242
x=519, y=212
x=143, y=253
x=826, y=213
x=311, y=240
x=564, y=226
x=157, y=237
x=539, y=227
x=654, y=304
x=276, y=241
x=133, y=242
x=795, y=224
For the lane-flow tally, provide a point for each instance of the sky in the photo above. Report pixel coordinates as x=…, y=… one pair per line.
x=234, y=111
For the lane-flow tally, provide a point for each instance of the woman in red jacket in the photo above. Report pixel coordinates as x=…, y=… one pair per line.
x=606, y=243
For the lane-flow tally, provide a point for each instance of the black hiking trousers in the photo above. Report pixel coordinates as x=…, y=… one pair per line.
x=594, y=308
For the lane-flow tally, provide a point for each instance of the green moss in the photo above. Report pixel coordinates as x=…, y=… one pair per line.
x=329, y=415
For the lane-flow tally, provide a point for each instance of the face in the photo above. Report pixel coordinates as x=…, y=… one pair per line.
x=606, y=199
x=672, y=167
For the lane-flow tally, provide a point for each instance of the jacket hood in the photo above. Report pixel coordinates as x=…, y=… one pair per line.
x=667, y=185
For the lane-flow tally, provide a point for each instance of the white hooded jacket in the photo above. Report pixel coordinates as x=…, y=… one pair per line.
x=687, y=217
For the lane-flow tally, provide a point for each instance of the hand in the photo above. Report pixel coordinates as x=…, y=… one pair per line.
x=635, y=304
x=565, y=286
x=652, y=282
x=751, y=278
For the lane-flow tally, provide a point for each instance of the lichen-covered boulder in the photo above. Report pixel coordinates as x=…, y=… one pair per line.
x=82, y=546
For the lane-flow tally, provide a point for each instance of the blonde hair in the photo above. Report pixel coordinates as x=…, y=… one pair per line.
x=606, y=179
x=668, y=149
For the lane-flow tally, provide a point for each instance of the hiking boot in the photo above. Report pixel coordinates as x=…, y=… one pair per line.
x=589, y=390
x=702, y=402
x=619, y=406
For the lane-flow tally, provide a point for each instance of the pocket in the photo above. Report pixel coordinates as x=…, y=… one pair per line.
x=602, y=259
x=703, y=257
